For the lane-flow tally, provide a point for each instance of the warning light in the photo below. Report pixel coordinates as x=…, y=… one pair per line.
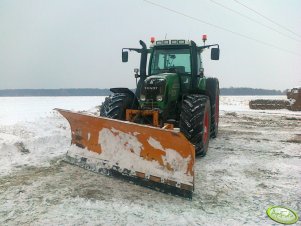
x=152, y=40
x=204, y=38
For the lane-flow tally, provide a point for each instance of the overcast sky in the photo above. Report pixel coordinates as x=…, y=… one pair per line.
x=77, y=43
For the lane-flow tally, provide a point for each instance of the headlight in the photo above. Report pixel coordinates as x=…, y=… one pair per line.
x=142, y=97
x=159, y=98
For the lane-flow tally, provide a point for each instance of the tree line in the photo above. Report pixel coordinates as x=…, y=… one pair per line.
x=249, y=92
x=105, y=92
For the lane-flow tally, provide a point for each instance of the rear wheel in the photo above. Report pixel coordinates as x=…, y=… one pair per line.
x=115, y=105
x=195, y=121
x=212, y=87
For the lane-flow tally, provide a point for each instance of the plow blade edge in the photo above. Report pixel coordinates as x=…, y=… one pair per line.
x=152, y=157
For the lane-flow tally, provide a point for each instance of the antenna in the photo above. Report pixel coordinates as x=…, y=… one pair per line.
x=165, y=36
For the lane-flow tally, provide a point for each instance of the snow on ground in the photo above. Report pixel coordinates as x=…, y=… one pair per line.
x=32, y=133
x=254, y=162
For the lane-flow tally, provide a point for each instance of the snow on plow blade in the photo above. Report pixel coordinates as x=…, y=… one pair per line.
x=149, y=156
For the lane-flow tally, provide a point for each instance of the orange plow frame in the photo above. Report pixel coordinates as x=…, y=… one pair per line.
x=153, y=157
x=131, y=114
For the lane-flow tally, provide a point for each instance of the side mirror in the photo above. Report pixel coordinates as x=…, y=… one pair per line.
x=125, y=56
x=215, y=54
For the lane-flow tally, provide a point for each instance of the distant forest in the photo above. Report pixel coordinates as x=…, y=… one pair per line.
x=249, y=92
x=105, y=92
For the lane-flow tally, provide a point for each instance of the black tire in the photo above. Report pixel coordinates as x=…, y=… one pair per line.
x=195, y=121
x=115, y=105
x=212, y=87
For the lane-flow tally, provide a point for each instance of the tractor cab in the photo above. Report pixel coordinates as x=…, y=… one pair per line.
x=170, y=58
x=174, y=58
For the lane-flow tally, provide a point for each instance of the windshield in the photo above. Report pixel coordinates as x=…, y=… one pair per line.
x=171, y=60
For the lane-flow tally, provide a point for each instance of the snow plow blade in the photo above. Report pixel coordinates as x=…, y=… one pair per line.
x=153, y=157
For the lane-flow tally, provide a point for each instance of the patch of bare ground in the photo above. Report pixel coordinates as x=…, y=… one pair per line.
x=296, y=139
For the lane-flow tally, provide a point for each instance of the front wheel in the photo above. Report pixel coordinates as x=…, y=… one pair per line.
x=195, y=121
x=115, y=105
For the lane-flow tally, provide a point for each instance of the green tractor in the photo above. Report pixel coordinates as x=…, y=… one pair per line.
x=173, y=94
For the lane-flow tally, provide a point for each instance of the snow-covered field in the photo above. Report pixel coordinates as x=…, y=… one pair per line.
x=254, y=162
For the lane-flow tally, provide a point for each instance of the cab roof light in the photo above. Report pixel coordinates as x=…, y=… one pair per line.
x=152, y=40
x=204, y=38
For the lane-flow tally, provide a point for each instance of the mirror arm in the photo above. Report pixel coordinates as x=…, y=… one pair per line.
x=136, y=50
x=207, y=47
x=132, y=49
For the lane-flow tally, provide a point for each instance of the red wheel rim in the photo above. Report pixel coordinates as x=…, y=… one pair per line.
x=206, y=126
x=216, y=116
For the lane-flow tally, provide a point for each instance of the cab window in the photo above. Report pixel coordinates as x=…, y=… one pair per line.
x=171, y=60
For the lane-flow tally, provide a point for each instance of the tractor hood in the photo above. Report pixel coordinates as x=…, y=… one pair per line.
x=158, y=90
x=156, y=85
x=153, y=88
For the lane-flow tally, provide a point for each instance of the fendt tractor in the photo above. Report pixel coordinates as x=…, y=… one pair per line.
x=152, y=135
